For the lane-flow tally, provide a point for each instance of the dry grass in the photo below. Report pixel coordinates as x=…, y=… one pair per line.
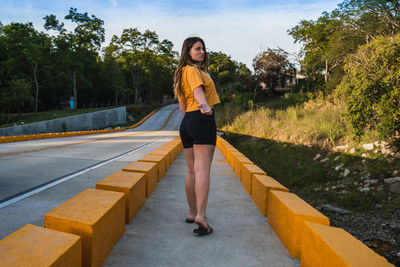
x=315, y=122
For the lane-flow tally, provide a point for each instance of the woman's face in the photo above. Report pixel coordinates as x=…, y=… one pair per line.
x=197, y=52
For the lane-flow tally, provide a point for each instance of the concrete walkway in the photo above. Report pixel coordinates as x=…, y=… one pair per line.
x=158, y=236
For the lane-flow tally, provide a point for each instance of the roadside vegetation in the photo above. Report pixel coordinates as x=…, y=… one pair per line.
x=307, y=144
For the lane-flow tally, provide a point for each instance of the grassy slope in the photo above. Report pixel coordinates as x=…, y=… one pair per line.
x=293, y=142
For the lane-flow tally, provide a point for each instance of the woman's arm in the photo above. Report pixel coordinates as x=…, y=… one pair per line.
x=198, y=94
x=182, y=107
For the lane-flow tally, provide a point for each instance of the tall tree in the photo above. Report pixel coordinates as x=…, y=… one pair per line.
x=146, y=59
x=26, y=52
x=84, y=41
x=272, y=68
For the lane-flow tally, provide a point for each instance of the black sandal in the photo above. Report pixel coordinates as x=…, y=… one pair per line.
x=189, y=220
x=203, y=231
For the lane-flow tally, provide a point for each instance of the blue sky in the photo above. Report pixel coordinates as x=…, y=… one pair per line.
x=240, y=29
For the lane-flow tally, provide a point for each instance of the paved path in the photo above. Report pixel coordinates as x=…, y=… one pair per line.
x=158, y=236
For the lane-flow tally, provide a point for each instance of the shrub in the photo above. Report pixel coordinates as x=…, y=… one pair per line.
x=372, y=88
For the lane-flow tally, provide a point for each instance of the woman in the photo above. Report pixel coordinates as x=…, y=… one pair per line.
x=197, y=95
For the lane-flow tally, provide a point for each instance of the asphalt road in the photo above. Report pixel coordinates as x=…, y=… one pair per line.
x=69, y=165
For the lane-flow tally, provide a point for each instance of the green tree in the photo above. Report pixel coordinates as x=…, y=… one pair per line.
x=26, y=53
x=77, y=45
x=372, y=88
x=272, y=68
x=18, y=96
x=149, y=62
x=228, y=75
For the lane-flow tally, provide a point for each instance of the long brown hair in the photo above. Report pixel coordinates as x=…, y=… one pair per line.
x=186, y=60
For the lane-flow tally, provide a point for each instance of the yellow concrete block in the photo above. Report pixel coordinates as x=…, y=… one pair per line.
x=330, y=246
x=218, y=142
x=238, y=165
x=29, y=137
x=232, y=158
x=19, y=138
x=98, y=216
x=178, y=142
x=166, y=155
x=45, y=135
x=221, y=144
x=286, y=216
x=160, y=160
x=9, y=139
x=151, y=173
x=37, y=137
x=228, y=152
x=221, y=147
x=168, y=149
x=262, y=184
x=33, y=246
x=246, y=174
x=172, y=148
x=133, y=185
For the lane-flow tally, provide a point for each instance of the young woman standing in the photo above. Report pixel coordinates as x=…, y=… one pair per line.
x=197, y=95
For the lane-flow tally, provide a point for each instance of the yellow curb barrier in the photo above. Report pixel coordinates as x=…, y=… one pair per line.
x=133, y=185
x=98, y=216
x=173, y=148
x=330, y=246
x=303, y=230
x=178, y=142
x=239, y=161
x=169, y=150
x=160, y=160
x=228, y=152
x=232, y=158
x=151, y=173
x=9, y=139
x=166, y=154
x=19, y=138
x=36, y=246
x=262, y=186
x=246, y=174
x=286, y=216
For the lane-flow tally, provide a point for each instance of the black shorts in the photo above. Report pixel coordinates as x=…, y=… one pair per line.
x=199, y=129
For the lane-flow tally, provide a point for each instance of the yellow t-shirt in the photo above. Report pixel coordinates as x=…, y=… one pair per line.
x=192, y=78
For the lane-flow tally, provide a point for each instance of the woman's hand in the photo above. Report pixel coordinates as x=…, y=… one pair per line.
x=205, y=109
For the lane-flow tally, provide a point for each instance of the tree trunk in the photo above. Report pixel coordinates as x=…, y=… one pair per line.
x=135, y=81
x=326, y=71
x=134, y=86
x=37, y=87
x=254, y=95
x=75, y=91
x=307, y=81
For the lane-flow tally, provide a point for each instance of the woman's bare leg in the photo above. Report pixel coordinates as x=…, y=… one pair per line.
x=203, y=155
x=190, y=183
